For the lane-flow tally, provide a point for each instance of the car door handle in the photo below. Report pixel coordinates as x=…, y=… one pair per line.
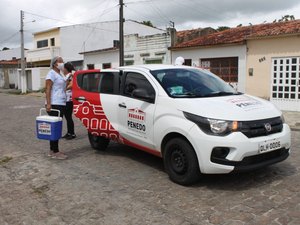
x=122, y=105
x=81, y=98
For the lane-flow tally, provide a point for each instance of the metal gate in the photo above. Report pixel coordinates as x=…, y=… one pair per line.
x=285, y=90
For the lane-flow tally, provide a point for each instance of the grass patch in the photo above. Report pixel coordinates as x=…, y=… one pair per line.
x=5, y=159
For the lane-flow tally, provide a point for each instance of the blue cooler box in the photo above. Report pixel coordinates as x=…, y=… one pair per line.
x=49, y=127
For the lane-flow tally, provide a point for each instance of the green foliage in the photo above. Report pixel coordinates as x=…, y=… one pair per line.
x=222, y=28
x=147, y=23
x=285, y=18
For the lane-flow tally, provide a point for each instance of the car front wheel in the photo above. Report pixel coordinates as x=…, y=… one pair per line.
x=181, y=162
x=97, y=142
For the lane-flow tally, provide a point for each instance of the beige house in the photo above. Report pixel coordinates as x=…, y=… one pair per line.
x=263, y=59
x=273, y=64
x=46, y=45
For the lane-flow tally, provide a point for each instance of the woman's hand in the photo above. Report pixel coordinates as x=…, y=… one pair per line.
x=48, y=107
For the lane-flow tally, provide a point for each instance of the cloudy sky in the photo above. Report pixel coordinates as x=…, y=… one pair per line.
x=186, y=14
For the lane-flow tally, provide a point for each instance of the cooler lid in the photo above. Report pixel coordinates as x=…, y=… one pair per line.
x=49, y=118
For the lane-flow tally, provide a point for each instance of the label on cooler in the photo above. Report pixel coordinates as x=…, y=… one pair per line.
x=44, y=128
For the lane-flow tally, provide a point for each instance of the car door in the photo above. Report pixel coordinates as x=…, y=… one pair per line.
x=136, y=115
x=95, y=98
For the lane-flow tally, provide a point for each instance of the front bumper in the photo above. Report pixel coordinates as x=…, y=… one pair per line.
x=243, y=154
x=257, y=161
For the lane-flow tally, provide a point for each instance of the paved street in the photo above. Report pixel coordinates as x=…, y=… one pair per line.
x=126, y=186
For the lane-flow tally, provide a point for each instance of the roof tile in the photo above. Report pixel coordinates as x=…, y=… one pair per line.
x=241, y=34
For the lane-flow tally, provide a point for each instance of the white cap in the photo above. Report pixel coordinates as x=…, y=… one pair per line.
x=179, y=61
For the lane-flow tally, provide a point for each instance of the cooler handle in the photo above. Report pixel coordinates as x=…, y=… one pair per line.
x=44, y=109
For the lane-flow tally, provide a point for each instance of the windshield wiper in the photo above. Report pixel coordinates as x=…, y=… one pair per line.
x=220, y=93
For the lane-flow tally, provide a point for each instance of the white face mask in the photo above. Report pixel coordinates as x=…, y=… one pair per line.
x=60, y=66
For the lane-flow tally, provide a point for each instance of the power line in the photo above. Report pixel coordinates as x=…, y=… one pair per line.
x=93, y=30
x=159, y=12
x=143, y=15
x=195, y=9
x=9, y=38
x=70, y=23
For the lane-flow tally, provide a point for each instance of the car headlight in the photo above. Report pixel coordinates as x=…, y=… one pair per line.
x=218, y=126
x=213, y=126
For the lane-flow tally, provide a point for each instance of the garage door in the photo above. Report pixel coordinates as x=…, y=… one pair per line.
x=286, y=83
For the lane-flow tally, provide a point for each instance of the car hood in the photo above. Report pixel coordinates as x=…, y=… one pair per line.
x=234, y=107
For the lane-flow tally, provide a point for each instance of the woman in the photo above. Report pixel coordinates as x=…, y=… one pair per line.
x=68, y=68
x=56, y=99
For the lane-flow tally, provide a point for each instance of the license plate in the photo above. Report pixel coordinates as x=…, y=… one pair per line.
x=268, y=146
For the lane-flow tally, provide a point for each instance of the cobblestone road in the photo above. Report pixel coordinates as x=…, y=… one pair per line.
x=126, y=186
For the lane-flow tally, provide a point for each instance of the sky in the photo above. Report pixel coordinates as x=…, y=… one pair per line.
x=186, y=14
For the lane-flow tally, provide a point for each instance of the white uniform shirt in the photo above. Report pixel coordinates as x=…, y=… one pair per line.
x=58, y=93
x=69, y=78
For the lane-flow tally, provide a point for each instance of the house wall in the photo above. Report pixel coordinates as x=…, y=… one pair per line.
x=42, y=74
x=136, y=48
x=217, y=52
x=259, y=57
x=54, y=33
x=98, y=59
x=150, y=47
x=42, y=56
x=8, y=76
x=89, y=37
x=11, y=53
x=13, y=75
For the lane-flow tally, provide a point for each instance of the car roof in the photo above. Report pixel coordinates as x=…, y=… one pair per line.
x=154, y=67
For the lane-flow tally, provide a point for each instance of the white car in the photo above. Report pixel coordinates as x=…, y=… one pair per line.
x=190, y=117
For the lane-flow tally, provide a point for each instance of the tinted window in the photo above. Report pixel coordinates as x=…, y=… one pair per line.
x=192, y=82
x=97, y=82
x=107, y=83
x=42, y=43
x=89, y=82
x=137, y=81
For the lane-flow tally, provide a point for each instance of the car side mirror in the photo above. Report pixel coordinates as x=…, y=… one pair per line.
x=143, y=94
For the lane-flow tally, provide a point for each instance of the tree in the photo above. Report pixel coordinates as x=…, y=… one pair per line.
x=147, y=23
x=240, y=25
x=5, y=48
x=222, y=28
x=286, y=18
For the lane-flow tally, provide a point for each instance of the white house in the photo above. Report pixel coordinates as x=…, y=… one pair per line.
x=138, y=50
x=69, y=41
x=224, y=56
x=9, y=64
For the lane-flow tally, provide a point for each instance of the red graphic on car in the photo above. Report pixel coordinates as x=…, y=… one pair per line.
x=95, y=120
x=136, y=114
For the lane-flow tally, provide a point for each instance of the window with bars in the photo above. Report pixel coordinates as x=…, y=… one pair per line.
x=225, y=68
x=286, y=78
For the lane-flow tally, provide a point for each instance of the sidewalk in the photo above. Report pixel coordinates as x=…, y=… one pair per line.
x=291, y=118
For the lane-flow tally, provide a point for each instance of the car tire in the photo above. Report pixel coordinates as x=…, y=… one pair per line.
x=181, y=162
x=97, y=142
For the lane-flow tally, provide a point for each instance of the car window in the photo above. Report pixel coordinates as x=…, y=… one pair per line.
x=97, y=82
x=136, y=81
x=191, y=82
x=89, y=81
x=107, y=83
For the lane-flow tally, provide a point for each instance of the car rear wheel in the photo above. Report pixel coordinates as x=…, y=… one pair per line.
x=97, y=142
x=181, y=162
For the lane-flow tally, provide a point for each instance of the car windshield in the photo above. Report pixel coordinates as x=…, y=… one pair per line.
x=192, y=82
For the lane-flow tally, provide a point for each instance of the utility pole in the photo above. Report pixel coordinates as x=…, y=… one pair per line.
x=23, y=80
x=121, y=34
